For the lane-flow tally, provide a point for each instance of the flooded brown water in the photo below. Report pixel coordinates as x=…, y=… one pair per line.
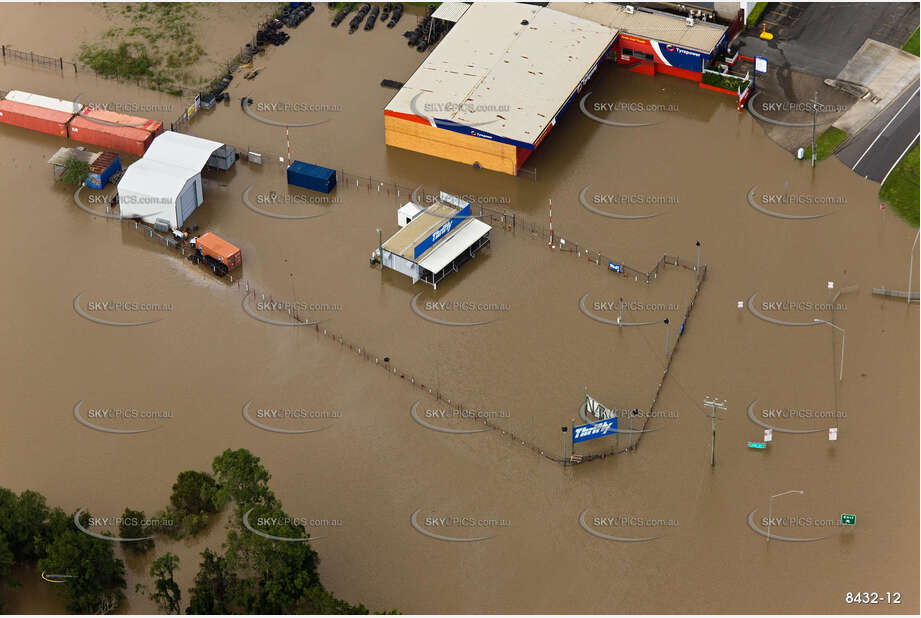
x=373, y=467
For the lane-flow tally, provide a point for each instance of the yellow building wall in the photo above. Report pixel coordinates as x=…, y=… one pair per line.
x=444, y=144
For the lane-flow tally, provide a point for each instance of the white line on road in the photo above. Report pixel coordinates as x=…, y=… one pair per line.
x=886, y=127
x=910, y=144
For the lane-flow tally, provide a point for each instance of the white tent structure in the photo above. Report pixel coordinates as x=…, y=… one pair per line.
x=166, y=183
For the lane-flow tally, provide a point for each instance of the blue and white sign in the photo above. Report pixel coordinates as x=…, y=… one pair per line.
x=581, y=433
x=615, y=267
x=442, y=230
x=761, y=64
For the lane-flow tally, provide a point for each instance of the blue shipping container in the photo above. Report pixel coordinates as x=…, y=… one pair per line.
x=100, y=180
x=312, y=177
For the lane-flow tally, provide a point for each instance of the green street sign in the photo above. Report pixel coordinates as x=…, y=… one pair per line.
x=757, y=445
x=848, y=520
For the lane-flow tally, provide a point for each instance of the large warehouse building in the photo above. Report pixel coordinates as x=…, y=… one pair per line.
x=497, y=83
x=494, y=86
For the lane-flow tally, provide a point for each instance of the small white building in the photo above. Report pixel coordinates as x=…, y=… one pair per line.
x=165, y=184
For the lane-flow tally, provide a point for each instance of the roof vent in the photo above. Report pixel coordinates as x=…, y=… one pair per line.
x=689, y=21
x=629, y=10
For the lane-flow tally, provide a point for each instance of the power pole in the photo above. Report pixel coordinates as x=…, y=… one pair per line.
x=815, y=104
x=714, y=403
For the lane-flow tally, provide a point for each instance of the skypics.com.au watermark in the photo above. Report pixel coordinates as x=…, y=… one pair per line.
x=457, y=527
x=287, y=307
x=633, y=306
x=802, y=199
x=801, y=305
x=633, y=199
x=801, y=413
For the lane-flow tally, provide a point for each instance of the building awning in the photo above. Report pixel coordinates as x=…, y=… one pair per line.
x=451, y=11
x=454, y=245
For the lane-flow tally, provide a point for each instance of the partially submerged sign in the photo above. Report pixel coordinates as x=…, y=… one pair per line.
x=581, y=433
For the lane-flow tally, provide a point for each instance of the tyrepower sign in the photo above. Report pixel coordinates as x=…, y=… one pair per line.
x=581, y=433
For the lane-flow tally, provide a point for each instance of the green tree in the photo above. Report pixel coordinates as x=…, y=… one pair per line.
x=242, y=478
x=214, y=583
x=319, y=600
x=132, y=527
x=98, y=577
x=166, y=591
x=283, y=571
x=194, y=497
x=75, y=171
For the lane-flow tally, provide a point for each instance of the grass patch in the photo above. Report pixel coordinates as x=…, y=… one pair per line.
x=911, y=45
x=826, y=143
x=158, y=49
x=755, y=14
x=900, y=191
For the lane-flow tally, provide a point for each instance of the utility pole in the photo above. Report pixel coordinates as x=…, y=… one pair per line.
x=698, y=257
x=380, y=249
x=815, y=104
x=911, y=265
x=714, y=403
x=667, y=338
x=563, y=445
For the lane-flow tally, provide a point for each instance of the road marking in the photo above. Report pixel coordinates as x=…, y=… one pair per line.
x=901, y=156
x=897, y=114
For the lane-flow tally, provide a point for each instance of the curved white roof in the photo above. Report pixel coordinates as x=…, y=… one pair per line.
x=150, y=186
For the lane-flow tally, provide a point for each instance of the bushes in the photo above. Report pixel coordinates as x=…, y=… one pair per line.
x=724, y=81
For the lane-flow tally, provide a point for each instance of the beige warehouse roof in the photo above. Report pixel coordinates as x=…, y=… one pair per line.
x=495, y=74
x=702, y=36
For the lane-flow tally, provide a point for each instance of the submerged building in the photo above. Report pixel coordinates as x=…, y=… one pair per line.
x=498, y=82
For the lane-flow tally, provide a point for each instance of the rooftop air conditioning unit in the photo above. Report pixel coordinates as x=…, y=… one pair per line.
x=629, y=10
x=688, y=21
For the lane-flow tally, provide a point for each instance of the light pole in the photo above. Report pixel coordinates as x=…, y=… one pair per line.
x=911, y=265
x=698, y=255
x=843, y=337
x=714, y=403
x=815, y=104
x=380, y=248
x=666, y=340
x=771, y=507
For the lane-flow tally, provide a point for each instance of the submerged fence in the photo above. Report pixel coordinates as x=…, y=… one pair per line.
x=509, y=222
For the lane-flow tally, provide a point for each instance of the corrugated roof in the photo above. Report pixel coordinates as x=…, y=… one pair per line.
x=505, y=68
x=40, y=100
x=451, y=11
x=646, y=23
x=64, y=154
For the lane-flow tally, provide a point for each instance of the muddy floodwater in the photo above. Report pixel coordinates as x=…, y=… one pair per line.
x=202, y=357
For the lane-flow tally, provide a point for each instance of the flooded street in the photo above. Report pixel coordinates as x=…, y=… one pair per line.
x=372, y=465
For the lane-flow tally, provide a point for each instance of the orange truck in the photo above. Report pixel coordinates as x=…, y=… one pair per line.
x=217, y=253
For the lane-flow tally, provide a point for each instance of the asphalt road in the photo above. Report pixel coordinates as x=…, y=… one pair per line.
x=820, y=38
x=879, y=146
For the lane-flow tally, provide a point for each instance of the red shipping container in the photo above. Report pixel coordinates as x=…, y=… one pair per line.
x=153, y=126
x=35, y=118
x=121, y=139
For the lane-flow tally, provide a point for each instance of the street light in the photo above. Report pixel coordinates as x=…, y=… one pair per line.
x=667, y=338
x=911, y=264
x=843, y=337
x=771, y=507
